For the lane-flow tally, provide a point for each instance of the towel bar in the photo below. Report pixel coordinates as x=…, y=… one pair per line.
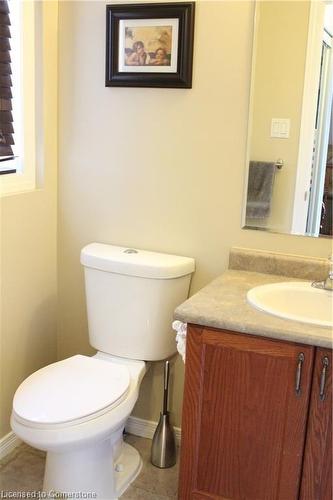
x=279, y=163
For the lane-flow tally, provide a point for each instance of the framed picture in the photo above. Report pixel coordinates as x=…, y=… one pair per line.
x=149, y=45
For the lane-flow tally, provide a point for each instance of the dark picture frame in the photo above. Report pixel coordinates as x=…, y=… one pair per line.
x=149, y=45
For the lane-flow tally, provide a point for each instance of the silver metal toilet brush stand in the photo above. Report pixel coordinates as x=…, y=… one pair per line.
x=163, y=450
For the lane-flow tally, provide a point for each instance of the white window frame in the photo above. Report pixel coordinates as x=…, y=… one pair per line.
x=23, y=55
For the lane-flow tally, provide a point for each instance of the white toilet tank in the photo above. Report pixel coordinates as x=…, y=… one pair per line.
x=131, y=295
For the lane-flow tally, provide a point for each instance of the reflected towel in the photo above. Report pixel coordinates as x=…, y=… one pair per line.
x=260, y=189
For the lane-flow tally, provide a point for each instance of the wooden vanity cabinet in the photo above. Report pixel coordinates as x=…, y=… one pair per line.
x=246, y=424
x=317, y=467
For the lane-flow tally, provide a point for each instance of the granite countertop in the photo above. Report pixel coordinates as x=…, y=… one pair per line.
x=222, y=304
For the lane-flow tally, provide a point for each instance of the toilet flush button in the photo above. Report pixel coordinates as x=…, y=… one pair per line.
x=130, y=250
x=119, y=468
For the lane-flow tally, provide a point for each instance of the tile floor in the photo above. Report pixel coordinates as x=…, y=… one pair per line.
x=22, y=470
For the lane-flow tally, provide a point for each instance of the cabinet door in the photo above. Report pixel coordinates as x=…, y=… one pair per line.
x=317, y=469
x=244, y=416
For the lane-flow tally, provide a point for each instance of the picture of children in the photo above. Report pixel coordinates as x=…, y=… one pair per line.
x=160, y=58
x=147, y=45
x=138, y=56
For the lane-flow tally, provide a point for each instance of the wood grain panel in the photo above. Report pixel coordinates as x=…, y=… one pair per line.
x=247, y=436
x=317, y=469
x=191, y=413
x=197, y=495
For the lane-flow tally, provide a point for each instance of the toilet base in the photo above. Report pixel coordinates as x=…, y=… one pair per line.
x=130, y=467
x=104, y=471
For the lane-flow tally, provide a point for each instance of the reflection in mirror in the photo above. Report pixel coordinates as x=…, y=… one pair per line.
x=289, y=155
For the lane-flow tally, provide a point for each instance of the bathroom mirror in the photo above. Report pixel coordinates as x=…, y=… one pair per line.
x=289, y=151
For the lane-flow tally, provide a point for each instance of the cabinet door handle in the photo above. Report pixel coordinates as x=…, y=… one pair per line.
x=323, y=378
x=299, y=373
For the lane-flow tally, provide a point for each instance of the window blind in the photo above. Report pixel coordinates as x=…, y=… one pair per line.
x=6, y=118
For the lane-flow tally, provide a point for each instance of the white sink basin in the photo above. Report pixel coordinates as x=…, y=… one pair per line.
x=296, y=301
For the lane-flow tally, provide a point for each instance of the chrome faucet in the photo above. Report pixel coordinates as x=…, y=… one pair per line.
x=326, y=284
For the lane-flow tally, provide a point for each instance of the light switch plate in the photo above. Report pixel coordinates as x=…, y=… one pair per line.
x=280, y=128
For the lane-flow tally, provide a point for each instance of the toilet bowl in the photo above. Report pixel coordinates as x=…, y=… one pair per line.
x=81, y=425
x=76, y=409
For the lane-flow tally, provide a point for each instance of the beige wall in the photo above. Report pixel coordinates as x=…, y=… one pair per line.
x=28, y=253
x=281, y=44
x=160, y=169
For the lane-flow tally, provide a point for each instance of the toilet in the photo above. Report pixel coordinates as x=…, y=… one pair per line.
x=76, y=409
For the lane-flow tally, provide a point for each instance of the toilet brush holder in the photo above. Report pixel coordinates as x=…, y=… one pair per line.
x=163, y=450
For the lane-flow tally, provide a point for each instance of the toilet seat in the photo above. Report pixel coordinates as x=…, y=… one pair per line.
x=71, y=391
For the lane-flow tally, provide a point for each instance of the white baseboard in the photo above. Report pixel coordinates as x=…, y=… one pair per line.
x=146, y=428
x=8, y=443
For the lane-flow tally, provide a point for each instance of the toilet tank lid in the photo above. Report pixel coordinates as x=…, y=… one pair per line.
x=135, y=262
